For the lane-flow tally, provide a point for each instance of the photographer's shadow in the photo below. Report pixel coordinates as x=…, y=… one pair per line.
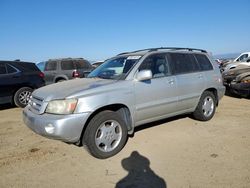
x=140, y=174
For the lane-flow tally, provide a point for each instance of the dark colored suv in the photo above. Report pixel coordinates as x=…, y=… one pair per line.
x=17, y=81
x=57, y=70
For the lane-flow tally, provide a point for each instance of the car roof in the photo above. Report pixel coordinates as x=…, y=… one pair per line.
x=68, y=58
x=161, y=49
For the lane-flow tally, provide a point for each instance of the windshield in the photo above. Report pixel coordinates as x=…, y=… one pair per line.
x=116, y=68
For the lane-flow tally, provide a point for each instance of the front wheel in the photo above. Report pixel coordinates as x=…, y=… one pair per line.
x=105, y=135
x=206, y=107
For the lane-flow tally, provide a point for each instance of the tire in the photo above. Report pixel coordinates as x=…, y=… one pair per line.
x=22, y=96
x=206, y=107
x=105, y=135
x=60, y=80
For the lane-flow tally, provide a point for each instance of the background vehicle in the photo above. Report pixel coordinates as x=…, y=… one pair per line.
x=241, y=84
x=233, y=65
x=57, y=70
x=126, y=91
x=97, y=63
x=230, y=75
x=241, y=58
x=17, y=81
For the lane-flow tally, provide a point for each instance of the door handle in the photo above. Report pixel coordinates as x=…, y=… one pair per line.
x=171, y=81
x=200, y=76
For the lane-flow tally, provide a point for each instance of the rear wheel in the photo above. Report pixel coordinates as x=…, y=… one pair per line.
x=22, y=96
x=105, y=135
x=206, y=107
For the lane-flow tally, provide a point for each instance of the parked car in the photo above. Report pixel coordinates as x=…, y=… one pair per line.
x=126, y=91
x=241, y=84
x=97, y=63
x=229, y=66
x=225, y=66
x=57, y=70
x=230, y=75
x=17, y=81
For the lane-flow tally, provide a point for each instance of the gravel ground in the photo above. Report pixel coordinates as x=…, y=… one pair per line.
x=177, y=152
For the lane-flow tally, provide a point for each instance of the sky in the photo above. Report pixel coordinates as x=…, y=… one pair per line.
x=37, y=30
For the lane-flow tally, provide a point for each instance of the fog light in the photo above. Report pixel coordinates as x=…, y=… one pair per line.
x=50, y=128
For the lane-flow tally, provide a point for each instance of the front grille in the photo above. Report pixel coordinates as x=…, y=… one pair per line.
x=35, y=104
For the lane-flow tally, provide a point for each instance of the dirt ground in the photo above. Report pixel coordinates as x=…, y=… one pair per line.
x=177, y=152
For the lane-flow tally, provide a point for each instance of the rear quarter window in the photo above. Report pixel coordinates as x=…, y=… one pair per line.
x=11, y=69
x=203, y=62
x=82, y=65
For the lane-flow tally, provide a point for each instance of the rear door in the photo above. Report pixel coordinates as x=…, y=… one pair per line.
x=155, y=98
x=50, y=72
x=10, y=80
x=190, y=81
x=67, y=68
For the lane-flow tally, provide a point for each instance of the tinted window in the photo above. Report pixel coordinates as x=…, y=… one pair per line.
x=67, y=65
x=10, y=69
x=183, y=63
x=51, y=65
x=242, y=57
x=157, y=64
x=82, y=65
x=204, y=62
x=2, y=69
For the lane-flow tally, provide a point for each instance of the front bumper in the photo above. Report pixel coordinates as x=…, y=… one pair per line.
x=241, y=88
x=67, y=128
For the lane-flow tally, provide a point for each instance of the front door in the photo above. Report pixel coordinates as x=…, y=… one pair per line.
x=157, y=97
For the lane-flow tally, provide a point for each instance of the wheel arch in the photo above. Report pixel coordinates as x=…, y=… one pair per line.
x=121, y=109
x=60, y=77
x=215, y=92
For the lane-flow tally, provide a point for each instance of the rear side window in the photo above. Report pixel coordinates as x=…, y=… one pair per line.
x=67, y=65
x=82, y=65
x=183, y=63
x=203, y=62
x=2, y=69
x=10, y=69
x=51, y=65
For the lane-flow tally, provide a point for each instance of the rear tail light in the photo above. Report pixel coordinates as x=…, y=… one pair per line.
x=75, y=74
x=41, y=74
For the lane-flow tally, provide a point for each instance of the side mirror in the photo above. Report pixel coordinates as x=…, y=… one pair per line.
x=144, y=75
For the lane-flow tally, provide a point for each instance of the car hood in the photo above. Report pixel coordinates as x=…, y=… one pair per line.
x=65, y=89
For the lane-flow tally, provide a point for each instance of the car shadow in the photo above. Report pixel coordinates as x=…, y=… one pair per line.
x=163, y=121
x=234, y=95
x=6, y=106
x=140, y=174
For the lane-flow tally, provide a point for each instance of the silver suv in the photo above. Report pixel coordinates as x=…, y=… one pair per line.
x=126, y=91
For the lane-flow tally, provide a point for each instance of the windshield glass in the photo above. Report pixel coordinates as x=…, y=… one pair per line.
x=115, y=68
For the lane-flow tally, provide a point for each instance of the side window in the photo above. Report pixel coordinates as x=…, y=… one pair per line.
x=2, y=68
x=204, y=62
x=10, y=69
x=67, y=65
x=242, y=57
x=51, y=65
x=183, y=63
x=157, y=64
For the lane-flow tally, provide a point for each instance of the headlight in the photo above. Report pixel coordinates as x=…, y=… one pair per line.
x=245, y=81
x=66, y=106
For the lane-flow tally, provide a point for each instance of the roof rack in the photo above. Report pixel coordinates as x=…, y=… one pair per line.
x=166, y=48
